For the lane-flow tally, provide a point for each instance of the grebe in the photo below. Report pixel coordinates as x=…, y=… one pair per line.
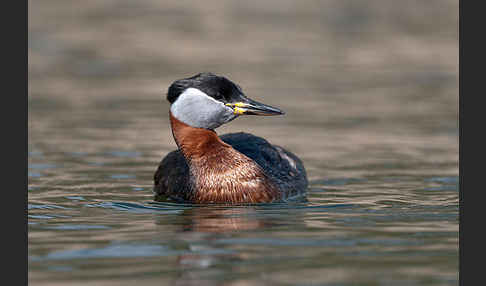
x=236, y=168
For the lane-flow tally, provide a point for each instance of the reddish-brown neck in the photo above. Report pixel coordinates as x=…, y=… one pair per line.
x=195, y=143
x=221, y=174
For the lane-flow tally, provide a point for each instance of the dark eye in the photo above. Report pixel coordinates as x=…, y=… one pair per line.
x=218, y=96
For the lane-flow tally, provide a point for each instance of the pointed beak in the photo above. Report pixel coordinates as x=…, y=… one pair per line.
x=252, y=107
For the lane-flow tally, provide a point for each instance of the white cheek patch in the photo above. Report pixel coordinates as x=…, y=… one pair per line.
x=197, y=109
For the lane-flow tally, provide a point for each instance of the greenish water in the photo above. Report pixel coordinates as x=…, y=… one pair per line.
x=370, y=93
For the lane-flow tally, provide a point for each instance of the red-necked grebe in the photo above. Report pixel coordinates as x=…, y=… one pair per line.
x=235, y=168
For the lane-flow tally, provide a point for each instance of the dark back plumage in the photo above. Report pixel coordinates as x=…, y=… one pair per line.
x=172, y=178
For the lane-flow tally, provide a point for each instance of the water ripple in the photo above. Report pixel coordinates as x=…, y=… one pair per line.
x=126, y=250
x=133, y=207
x=77, y=227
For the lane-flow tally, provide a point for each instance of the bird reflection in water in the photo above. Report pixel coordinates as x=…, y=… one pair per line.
x=200, y=231
x=222, y=220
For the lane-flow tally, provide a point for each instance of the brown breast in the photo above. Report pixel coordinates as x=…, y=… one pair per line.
x=221, y=174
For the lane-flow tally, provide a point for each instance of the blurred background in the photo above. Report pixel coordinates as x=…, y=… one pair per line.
x=370, y=91
x=389, y=67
